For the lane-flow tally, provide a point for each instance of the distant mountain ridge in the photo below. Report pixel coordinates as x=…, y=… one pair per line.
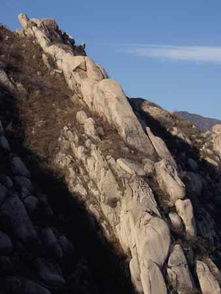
x=203, y=123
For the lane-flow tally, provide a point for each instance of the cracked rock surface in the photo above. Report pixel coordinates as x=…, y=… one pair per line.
x=99, y=193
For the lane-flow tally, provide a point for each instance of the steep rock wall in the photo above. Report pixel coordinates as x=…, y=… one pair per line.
x=136, y=193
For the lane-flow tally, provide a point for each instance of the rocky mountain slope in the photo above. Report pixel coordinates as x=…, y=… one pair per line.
x=99, y=193
x=203, y=123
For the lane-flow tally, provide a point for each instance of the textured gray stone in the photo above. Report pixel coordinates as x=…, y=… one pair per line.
x=15, y=217
x=6, y=246
x=18, y=167
x=4, y=143
x=178, y=271
x=48, y=273
x=169, y=181
x=176, y=222
x=50, y=242
x=130, y=166
x=208, y=283
x=31, y=203
x=31, y=287
x=184, y=209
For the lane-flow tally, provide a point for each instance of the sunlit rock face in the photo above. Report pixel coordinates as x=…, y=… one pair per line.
x=217, y=139
x=99, y=193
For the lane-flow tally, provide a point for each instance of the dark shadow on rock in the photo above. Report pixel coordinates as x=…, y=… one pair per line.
x=99, y=261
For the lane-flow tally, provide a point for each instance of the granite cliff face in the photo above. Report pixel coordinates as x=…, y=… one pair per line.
x=99, y=193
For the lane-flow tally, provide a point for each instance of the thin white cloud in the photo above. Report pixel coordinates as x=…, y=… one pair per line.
x=209, y=54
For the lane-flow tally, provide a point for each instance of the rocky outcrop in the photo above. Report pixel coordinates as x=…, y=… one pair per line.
x=208, y=283
x=178, y=271
x=169, y=181
x=129, y=206
x=102, y=95
x=33, y=249
x=217, y=139
x=160, y=147
x=132, y=164
x=185, y=211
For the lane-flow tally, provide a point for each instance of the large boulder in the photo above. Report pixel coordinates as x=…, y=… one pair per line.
x=216, y=129
x=176, y=222
x=147, y=237
x=216, y=138
x=50, y=242
x=4, y=143
x=19, y=223
x=5, y=81
x=24, y=20
x=178, y=271
x=49, y=273
x=169, y=182
x=18, y=167
x=208, y=282
x=184, y=209
x=152, y=239
x=152, y=278
x=160, y=147
x=111, y=103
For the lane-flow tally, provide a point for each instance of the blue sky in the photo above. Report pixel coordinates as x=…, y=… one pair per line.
x=168, y=51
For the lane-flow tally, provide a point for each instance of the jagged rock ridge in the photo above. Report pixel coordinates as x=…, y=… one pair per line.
x=152, y=181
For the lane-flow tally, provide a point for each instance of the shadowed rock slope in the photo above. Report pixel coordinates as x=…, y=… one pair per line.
x=99, y=193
